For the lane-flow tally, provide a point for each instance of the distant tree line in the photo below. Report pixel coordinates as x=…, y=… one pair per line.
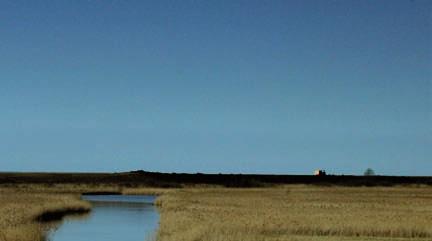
x=369, y=172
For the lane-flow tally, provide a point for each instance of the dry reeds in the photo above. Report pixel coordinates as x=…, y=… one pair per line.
x=288, y=213
x=297, y=213
x=20, y=212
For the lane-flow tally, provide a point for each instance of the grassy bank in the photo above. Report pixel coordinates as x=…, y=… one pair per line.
x=297, y=213
x=21, y=212
x=25, y=207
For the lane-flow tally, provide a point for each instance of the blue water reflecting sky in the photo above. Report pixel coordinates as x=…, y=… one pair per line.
x=120, y=218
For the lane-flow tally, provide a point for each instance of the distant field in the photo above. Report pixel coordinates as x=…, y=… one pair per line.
x=156, y=179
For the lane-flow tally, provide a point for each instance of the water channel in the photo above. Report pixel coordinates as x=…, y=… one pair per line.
x=113, y=218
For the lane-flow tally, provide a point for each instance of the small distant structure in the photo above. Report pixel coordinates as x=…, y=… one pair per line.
x=319, y=173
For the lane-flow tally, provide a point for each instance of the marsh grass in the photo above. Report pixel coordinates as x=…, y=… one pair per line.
x=289, y=213
x=20, y=212
x=297, y=213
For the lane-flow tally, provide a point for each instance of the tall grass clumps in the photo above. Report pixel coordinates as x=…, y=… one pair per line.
x=22, y=212
x=304, y=213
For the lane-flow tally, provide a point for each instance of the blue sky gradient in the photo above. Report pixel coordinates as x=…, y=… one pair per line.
x=216, y=86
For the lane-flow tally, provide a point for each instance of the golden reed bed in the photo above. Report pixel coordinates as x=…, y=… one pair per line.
x=303, y=213
x=297, y=213
x=20, y=211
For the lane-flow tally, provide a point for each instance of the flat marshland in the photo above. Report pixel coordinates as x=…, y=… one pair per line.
x=297, y=213
x=289, y=212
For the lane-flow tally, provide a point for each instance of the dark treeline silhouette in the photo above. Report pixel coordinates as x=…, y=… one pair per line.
x=157, y=179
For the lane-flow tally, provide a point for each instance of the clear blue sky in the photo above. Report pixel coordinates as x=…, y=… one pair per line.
x=216, y=86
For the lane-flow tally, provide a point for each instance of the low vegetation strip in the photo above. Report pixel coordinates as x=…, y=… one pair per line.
x=175, y=180
x=297, y=213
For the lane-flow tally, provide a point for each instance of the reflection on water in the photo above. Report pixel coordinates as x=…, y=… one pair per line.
x=113, y=218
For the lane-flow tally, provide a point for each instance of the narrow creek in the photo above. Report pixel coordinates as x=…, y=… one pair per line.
x=113, y=218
